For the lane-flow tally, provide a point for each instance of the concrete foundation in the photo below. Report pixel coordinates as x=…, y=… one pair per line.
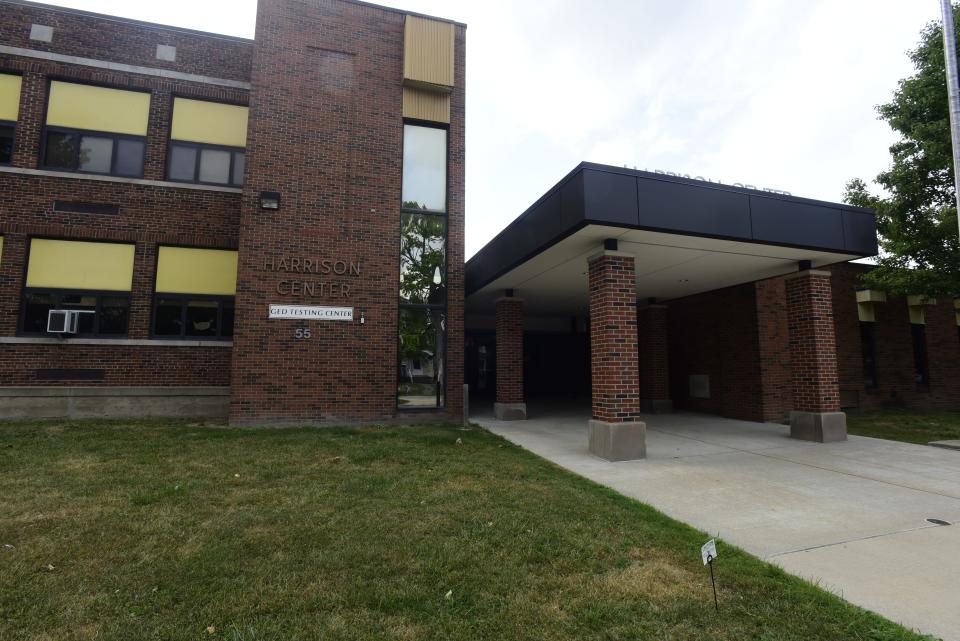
x=618, y=441
x=656, y=405
x=25, y=403
x=510, y=411
x=822, y=427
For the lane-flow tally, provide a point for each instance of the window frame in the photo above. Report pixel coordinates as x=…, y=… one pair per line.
x=200, y=146
x=12, y=124
x=59, y=293
x=444, y=307
x=921, y=358
x=184, y=299
x=79, y=133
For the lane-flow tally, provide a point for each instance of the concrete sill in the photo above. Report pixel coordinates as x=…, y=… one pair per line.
x=119, y=342
x=118, y=179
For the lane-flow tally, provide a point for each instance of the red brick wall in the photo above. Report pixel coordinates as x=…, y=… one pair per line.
x=613, y=339
x=149, y=214
x=813, y=362
x=122, y=365
x=326, y=132
x=894, y=349
x=654, y=363
x=509, y=356
x=87, y=35
x=716, y=334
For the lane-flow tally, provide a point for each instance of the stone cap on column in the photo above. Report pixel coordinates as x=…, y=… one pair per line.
x=608, y=252
x=809, y=272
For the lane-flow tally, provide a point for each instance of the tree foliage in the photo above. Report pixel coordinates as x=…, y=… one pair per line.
x=917, y=218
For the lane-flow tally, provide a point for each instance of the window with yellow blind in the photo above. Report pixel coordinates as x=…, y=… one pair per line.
x=9, y=111
x=94, y=278
x=194, y=293
x=207, y=142
x=96, y=130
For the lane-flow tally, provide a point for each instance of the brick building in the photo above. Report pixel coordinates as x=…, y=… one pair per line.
x=643, y=292
x=269, y=229
x=272, y=230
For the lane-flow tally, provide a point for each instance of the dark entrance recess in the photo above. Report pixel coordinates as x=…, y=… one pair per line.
x=555, y=366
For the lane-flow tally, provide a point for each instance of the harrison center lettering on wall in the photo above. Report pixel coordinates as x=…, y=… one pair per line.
x=331, y=287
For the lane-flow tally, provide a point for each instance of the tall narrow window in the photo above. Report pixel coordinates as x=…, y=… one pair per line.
x=207, y=142
x=9, y=111
x=921, y=370
x=868, y=346
x=421, y=366
x=95, y=130
x=92, y=278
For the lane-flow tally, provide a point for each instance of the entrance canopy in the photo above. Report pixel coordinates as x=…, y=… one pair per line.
x=686, y=236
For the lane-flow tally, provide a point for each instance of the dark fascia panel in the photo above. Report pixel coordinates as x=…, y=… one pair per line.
x=594, y=194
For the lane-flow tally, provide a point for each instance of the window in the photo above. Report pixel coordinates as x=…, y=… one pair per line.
x=868, y=346
x=94, y=278
x=207, y=141
x=9, y=112
x=921, y=371
x=195, y=293
x=95, y=130
x=421, y=376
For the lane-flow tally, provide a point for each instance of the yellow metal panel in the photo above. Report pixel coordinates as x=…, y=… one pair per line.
x=69, y=264
x=98, y=108
x=866, y=312
x=428, y=53
x=213, y=123
x=917, y=315
x=183, y=270
x=426, y=105
x=871, y=296
x=9, y=97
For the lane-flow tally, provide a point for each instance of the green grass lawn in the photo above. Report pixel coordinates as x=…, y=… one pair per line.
x=905, y=425
x=160, y=530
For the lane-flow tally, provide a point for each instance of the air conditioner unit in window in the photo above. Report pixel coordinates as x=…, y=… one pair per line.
x=63, y=321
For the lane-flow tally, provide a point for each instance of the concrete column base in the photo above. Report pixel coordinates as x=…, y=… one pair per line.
x=618, y=441
x=822, y=427
x=510, y=411
x=656, y=405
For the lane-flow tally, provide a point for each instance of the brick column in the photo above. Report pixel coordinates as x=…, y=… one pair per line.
x=509, y=405
x=654, y=372
x=616, y=433
x=816, y=414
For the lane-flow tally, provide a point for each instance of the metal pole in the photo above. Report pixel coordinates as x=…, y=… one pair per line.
x=466, y=406
x=953, y=94
x=716, y=603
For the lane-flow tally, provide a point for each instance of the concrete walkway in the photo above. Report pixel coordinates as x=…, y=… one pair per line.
x=851, y=516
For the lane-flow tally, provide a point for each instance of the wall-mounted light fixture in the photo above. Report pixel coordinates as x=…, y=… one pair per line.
x=269, y=200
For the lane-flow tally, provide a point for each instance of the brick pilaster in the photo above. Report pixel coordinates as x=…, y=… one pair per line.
x=33, y=99
x=509, y=327
x=813, y=354
x=654, y=358
x=613, y=338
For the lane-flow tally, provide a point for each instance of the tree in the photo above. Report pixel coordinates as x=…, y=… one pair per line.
x=917, y=220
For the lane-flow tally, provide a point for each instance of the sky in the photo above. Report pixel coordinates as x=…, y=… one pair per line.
x=772, y=93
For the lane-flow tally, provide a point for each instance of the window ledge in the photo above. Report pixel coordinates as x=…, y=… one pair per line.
x=122, y=342
x=118, y=179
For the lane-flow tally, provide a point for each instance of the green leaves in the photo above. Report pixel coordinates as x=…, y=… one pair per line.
x=917, y=220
